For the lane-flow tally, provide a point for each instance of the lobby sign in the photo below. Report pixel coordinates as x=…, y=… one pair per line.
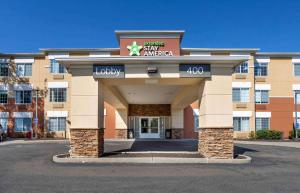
x=150, y=48
x=194, y=70
x=109, y=71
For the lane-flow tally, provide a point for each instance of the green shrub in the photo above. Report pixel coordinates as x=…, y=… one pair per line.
x=268, y=134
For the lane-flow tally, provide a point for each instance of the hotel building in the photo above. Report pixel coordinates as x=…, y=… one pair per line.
x=149, y=87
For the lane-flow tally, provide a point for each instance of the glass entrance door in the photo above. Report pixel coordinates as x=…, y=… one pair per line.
x=149, y=127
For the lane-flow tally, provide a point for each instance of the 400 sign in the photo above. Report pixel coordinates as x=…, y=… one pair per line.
x=194, y=70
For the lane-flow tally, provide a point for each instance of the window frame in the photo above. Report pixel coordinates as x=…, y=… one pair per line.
x=16, y=98
x=240, y=119
x=60, y=66
x=4, y=92
x=261, y=102
x=2, y=67
x=25, y=69
x=260, y=65
x=261, y=118
x=238, y=69
x=54, y=95
x=58, y=124
x=294, y=73
x=240, y=89
x=23, y=130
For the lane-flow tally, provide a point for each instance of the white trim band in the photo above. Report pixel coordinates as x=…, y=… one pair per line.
x=262, y=59
x=3, y=87
x=241, y=84
x=58, y=84
x=296, y=86
x=262, y=87
x=24, y=60
x=23, y=86
x=195, y=53
x=22, y=114
x=57, y=113
x=99, y=54
x=242, y=113
x=296, y=60
x=263, y=114
x=4, y=114
x=58, y=55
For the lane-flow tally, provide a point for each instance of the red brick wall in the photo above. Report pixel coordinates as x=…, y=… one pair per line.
x=12, y=107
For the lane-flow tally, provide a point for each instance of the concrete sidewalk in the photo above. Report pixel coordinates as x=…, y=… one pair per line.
x=31, y=141
x=295, y=144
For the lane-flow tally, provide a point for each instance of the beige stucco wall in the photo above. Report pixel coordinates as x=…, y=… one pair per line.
x=86, y=99
x=177, y=118
x=121, y=118
x=215, y=96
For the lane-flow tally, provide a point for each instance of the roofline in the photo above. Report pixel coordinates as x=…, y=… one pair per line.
x=21, y=54
x=149, y=32
x=278, y=54
x=44, y=50
x=252, y=50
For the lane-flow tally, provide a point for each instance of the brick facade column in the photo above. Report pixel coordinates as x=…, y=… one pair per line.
x=215, y=114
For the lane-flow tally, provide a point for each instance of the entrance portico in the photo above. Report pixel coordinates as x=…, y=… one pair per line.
x=149, y=94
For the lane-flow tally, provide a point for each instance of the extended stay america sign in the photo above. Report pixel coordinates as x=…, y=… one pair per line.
x=150, y=48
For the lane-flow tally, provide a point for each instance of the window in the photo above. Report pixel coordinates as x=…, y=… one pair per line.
x=24, y=69
x=23, y=96
x=58, y=94
x=196, y=119
x=262, y=124
x=297, y=93
x=23, y=124
x=240, y=95
x=3, y=69
x=297, y=69
x=57, y=124
x=261, y=96
x=3, y=96
x=3, y=122
x=261, y=69
x=57, y=68
x=242, y=68
x=241, y=124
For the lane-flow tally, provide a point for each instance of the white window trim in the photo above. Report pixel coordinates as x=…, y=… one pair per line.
x=262, y=87
x=3, y=87
x=52, y=56
x=296, y=60
x=22, y=114
x=296, y=86
x=241, y=84
x=262, y=59
x=4, y=115
x=58, y=84
x=263, y=114
x=99, y=54
x=57, y=113
x=24, y=60
x=242, y=113
x=21, y=87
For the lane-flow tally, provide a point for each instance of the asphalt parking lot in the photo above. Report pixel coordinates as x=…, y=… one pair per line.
x=28, y=168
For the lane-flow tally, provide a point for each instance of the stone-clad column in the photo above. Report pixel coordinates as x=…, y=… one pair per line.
x=177, y=115
x=215, y=115
x=87, y=113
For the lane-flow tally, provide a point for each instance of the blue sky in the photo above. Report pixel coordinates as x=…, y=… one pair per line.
x=272, y=25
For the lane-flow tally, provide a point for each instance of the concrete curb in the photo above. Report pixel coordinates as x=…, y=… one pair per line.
x=151, y=160
x=292, y=144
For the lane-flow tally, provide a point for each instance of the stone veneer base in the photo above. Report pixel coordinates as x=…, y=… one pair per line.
x=86, y=142
x=121, y=133
x=216, y=143
x=177, y=133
